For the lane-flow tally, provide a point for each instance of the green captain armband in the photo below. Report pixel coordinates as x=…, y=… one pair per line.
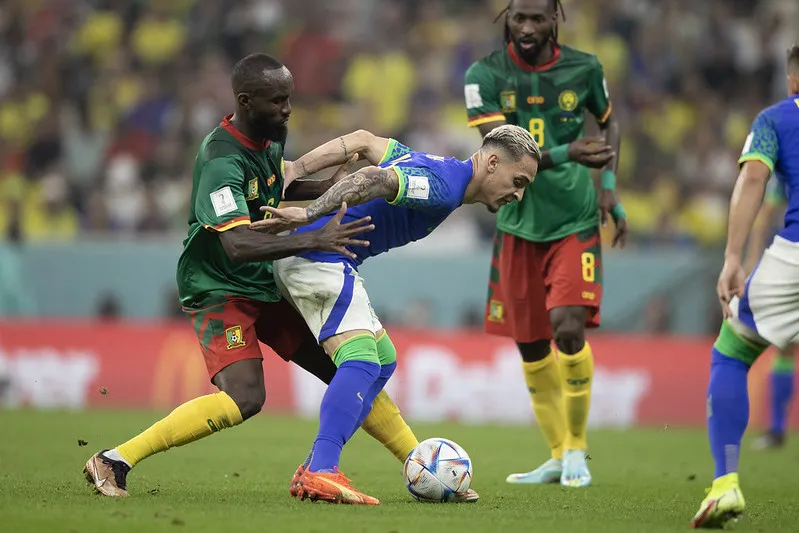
x=559, y=154
x=618, y=212
x=608, y=181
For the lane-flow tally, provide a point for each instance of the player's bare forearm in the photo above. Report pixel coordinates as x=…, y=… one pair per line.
x=242, y=245
x=338, y=151
x=304, y=190
x=747, y=198
x=367, y=184
x=612, y=133
x=546, y=161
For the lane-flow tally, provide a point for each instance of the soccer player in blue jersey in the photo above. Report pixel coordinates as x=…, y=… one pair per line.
x=782, y=380
x=407, y=194
x=761, y=309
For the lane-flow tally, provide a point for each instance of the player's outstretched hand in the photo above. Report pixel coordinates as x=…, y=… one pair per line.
x=593, y=152
x=335, y=236
x=283, y=219
x=731, y=283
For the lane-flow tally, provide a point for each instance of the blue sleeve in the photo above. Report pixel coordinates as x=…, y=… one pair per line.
x=762, y=143
x=422, y=188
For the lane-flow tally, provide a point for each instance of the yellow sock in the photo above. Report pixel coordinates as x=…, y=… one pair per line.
x=578, y=373
x=546, y=390
x=385, y=423
x=191, y=421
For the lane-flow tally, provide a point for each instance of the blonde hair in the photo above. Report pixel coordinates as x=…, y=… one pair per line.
x=515, y=140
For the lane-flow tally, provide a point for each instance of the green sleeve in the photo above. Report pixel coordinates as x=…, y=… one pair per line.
x=482, y=100
x=598, y=103
x=761, y=143
x=220, y=202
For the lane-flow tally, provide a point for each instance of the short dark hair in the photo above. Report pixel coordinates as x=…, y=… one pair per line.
x=515, y=140
x=793, y=57
x=249, y=71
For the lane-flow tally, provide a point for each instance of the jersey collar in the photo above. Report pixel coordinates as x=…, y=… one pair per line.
x=521, y=63
x=243, y=139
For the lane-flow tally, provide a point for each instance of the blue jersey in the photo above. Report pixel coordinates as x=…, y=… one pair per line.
x=774, y=141
x=430, y=188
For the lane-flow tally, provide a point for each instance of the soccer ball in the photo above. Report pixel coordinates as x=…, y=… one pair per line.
x=437, y=469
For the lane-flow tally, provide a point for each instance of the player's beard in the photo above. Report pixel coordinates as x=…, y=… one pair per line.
x=530, y=55
x=275, y=132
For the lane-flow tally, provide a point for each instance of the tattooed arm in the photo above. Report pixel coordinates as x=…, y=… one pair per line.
x=337, y=152
x=366, y=184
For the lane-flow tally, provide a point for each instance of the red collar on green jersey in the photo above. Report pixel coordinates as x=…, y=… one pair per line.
x=521, y=63
x=243, y=139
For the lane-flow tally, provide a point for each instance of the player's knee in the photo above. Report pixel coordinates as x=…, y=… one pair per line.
x=359, y=348
x=243, y=381
x=249, y=399
x=568, y=325
x=534, y=351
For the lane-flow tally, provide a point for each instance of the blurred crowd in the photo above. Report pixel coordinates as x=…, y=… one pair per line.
x=103, y=102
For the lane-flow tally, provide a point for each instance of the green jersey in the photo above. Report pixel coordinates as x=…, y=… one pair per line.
x=549, y=100
x=233, y=178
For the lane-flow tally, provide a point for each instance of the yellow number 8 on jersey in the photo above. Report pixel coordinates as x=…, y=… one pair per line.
x=537, y=130
x=589, y=266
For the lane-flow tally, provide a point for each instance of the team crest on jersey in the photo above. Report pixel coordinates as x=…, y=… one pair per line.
x=234, y=337
x=252, y=189
x=568, y=100
x=508, y=101
x=270, y=180
x=496, y=311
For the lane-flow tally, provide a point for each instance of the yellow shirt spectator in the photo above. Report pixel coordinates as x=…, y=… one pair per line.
x=156, y=40
x=99, y=36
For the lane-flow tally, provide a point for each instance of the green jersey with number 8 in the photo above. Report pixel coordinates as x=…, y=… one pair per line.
x=550, y=100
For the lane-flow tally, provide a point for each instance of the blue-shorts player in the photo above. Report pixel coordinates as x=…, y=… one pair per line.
x=407, y=194
x=761, y=309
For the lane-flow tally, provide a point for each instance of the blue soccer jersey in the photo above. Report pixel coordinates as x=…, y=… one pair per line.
x=430, y=188
x=774, y=141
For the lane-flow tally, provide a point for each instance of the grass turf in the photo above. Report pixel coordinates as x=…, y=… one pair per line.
x=644, y=480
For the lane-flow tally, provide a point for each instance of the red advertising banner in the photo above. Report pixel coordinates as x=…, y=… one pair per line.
x=466, y=376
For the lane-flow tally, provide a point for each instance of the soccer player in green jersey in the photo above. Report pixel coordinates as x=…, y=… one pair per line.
x=546, y=273
x=225, y=278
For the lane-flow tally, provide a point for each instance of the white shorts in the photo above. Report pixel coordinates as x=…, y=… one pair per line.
x=770, y=304
x=329, y=296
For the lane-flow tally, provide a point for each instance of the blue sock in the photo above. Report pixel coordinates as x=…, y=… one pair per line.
x=728, y=410
x=341, y=407
x=782, y=385
x=386, y=372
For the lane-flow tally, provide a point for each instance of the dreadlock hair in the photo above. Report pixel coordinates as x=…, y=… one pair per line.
x=556, y=4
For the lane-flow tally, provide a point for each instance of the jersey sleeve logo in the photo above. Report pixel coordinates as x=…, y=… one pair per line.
x=252, y=189
x=568, y=100
x=418, y=187
x=472, y=94
x=223, y=201
x=508, y=101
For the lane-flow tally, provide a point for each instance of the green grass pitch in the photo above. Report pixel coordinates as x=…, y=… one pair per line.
x=644, y=480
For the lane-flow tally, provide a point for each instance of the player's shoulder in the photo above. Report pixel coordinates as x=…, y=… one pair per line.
x=219, y=143
x=495, y=61
x=573, y=57
x=787, y=108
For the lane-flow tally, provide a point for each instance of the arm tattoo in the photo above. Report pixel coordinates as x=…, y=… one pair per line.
x=304, y=168
x=367, y=184
x=344, y=146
